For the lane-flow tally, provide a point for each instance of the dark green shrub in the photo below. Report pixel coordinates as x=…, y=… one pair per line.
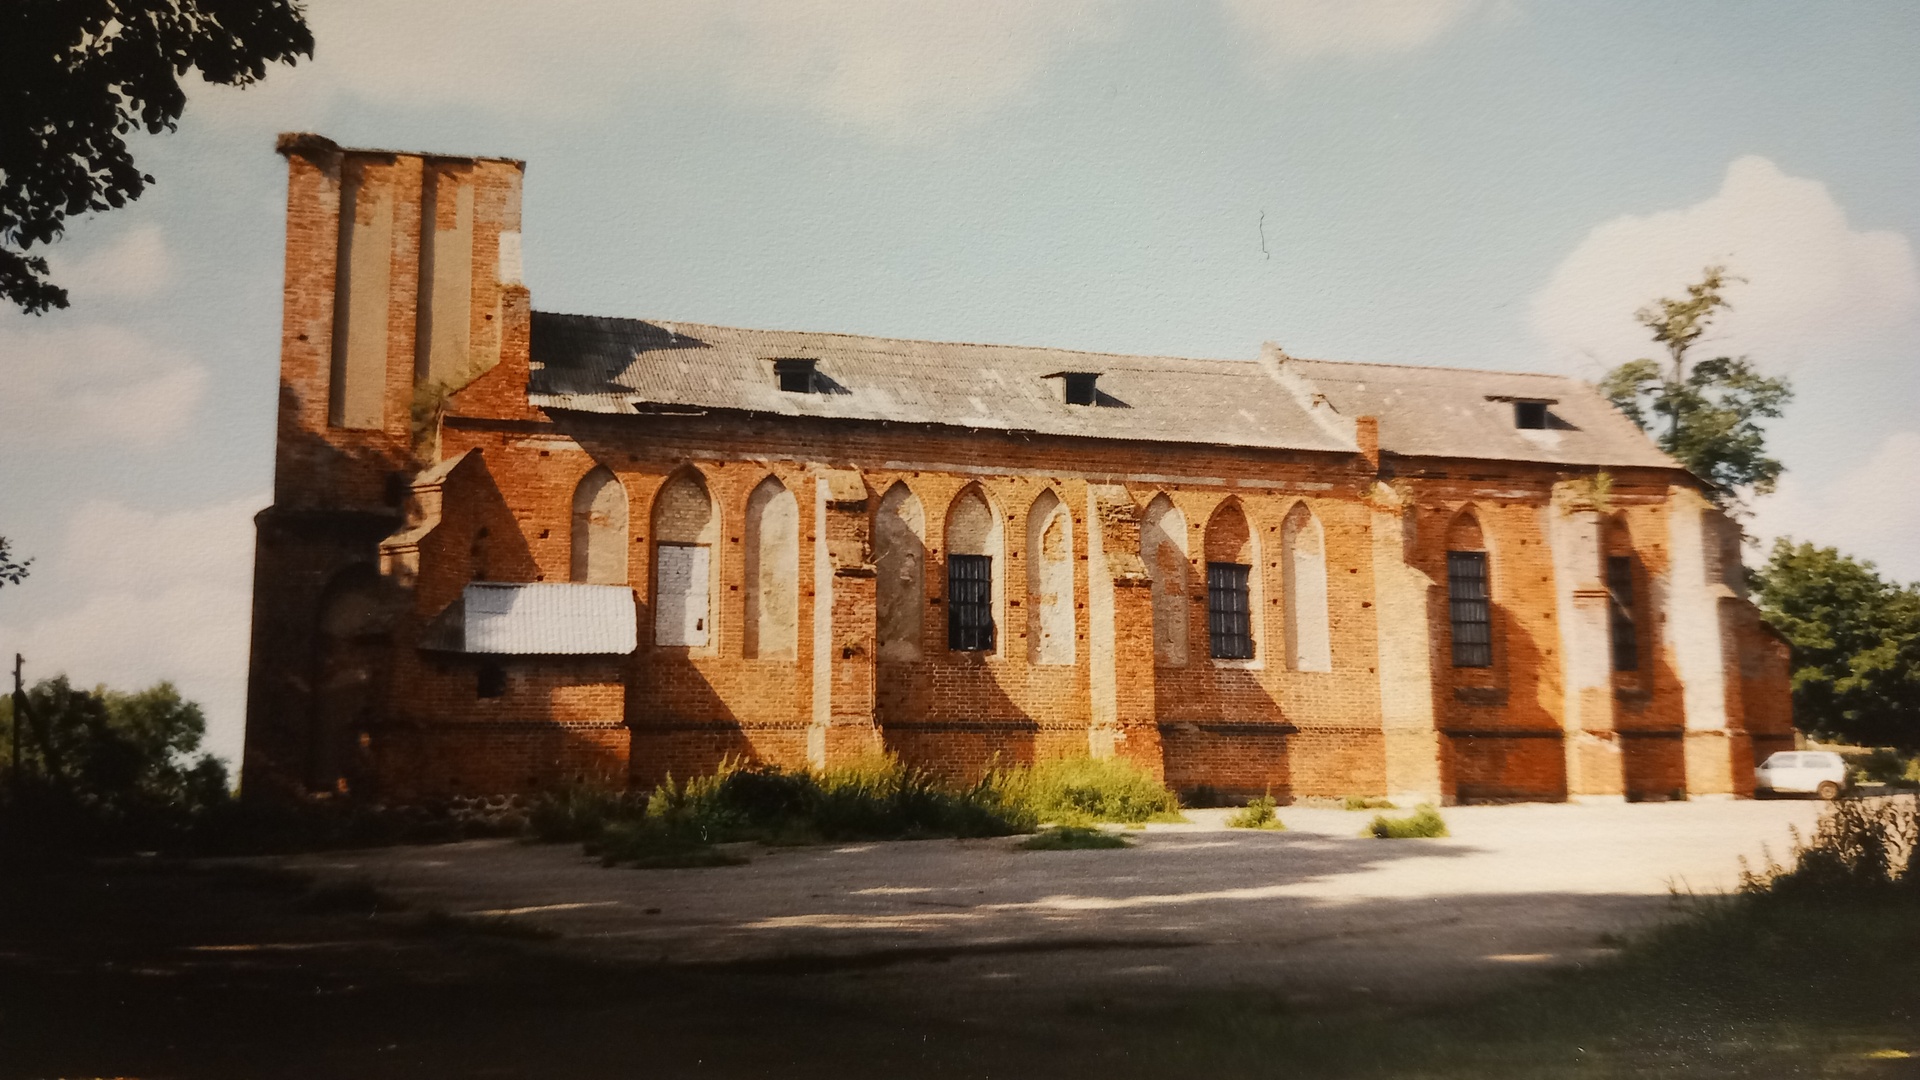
x=1258, y=814
x=1424, y=822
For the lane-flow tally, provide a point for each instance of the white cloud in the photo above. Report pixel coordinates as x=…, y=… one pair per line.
x=90, y=383
x=1302, y=29
x=155, y=596
x=1866, y=511
x=134, y=263
x=896, y=69
x=1815, y=286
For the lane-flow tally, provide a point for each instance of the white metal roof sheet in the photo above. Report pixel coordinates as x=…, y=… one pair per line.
x=548, y=619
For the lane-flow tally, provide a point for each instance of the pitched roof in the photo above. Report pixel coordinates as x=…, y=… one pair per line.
x=624, y=366
x=537, y=619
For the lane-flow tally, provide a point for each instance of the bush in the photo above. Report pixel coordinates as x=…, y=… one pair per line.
x=1364, y=802
x=580, y=813
x=1081, y=791
x=1425, y=821
x=1888, y=767
x=1258, y=814
x=1073, y=838
x=1859, y=846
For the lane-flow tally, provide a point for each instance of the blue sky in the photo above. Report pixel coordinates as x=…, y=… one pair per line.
x=1485, y=183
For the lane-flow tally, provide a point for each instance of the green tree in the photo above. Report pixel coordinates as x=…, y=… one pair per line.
x=76, y=76
x=1711, y=408
x=1856, y=643
x=119, y=752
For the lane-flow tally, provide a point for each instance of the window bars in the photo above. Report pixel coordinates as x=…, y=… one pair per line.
x=970, y=603
x=1230, y=610
x=1470, y=609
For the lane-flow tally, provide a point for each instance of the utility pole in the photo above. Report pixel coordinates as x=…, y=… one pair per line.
x=19, y=715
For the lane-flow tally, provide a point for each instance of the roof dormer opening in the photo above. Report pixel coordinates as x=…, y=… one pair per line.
x=1530, y=415
x=797, y=375
x=1078, y=387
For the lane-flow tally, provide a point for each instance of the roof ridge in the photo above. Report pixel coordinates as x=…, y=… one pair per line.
x=1252, y=361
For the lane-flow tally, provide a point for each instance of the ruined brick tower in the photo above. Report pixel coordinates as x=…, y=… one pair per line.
x=510, y=550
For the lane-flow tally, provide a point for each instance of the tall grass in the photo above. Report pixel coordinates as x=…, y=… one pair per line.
x=1424, y=822
x=1859, y=846
x=1081, y=791
x=874, y=798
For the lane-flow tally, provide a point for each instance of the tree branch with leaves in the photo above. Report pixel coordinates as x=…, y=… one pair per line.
x=77, y=76
x=1711, y=408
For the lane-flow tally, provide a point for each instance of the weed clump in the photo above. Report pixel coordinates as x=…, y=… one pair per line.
x=875, y=798
x=1367, y=802
x=1860, y=846
x=1073, y=838
x=1081, y=791
x=1424, y=822
x=1258, y=814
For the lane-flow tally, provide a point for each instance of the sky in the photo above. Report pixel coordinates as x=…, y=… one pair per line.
x=1477, y=183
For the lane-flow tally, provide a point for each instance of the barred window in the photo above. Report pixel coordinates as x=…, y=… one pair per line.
x=1230, y=610
x=1626, y=647
x=1470, y=609
x=970, y=603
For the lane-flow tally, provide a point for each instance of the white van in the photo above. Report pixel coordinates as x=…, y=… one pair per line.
x=1802, y=772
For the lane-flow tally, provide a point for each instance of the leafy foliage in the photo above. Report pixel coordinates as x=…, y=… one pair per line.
x=11, y=572
x=103, y=768
x=1859, y=845
x=77, y=76
x=1855, y=639
x=1712, y=410
x=1423, y=823
x=1258, y=814
x=877, y=798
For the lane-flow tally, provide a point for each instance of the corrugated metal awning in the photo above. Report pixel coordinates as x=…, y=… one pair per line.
x=540, y=619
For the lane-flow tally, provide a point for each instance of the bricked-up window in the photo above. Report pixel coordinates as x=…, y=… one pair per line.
x=1626, y=646
x=1470, y=608
x=970, y=603
x=1230, y=610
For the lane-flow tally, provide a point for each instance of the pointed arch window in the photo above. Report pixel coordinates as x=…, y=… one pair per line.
x=1303, y=564
x=1469, y=595
x=1050, y=580
x=772, y=572
x=1163, y=548
x=899, y=562
x=1231, y=584
x=600, y=529
x=975, y=551
x=684, y=530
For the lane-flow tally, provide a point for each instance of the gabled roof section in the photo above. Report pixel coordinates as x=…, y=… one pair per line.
x=621, y=366
x=1461, y=413
x=626, y=366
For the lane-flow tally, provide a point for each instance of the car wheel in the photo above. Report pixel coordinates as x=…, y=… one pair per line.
x=1828, y=790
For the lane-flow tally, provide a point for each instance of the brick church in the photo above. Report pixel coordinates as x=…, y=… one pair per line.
x=511, y=550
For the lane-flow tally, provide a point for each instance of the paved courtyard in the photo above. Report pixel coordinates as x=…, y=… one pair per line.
x=1315, y=914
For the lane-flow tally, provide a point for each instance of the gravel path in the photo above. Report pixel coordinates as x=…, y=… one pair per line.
x=1314, y=914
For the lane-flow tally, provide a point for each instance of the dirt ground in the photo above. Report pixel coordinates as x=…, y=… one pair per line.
x=932, y=958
